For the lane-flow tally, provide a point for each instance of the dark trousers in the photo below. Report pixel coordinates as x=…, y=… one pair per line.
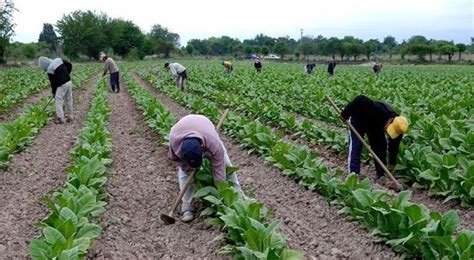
x=115, y=82
x=377, y=142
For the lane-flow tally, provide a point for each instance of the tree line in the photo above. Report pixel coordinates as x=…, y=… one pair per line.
x=84, y=34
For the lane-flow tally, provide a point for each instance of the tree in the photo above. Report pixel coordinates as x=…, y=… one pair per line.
x=49, y=37
x=29, y=50
x=305, y=48
x=265, y=51
x=189, y=49
x=370, y=47
x=162, y=33
x=461, y=48
x=281, y=48
x=123, y=36
x=389, y=44
x=7, y=8
x=448, y=49
x=82, y=32
x=297, y=54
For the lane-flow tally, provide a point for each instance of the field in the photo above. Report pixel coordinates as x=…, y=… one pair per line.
x=95, y=188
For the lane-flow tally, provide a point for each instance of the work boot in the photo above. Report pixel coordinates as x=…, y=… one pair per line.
x=58, y=121
x=187, y=216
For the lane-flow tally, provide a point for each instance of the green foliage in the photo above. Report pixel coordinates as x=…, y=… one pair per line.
x=409, y=228
x=68, y=231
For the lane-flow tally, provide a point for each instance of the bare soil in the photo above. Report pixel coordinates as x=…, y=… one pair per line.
x=312, y=226
x=32, y=174
x=143, y=184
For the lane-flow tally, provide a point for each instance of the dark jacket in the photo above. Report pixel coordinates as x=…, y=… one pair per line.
x=61, y=76
x=372, y=116
x=331, y=67
x=258, y=65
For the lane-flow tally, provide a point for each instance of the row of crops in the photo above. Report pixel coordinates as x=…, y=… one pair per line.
x=409, y=228
x=16, y=135
x=435, y=154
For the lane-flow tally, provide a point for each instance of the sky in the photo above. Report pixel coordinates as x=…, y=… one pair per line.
x=243, y=19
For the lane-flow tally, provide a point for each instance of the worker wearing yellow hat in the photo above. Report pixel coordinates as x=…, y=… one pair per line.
x=381, y=124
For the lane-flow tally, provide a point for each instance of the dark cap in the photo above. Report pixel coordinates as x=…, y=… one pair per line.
x=191, y=152
x=167, y=65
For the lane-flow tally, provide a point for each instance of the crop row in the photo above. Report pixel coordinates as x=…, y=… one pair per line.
x=245, y=221
x=446, y=174
x=409, y=228
x=68, y=231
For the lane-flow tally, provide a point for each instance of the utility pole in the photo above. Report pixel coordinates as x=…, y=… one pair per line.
x=301, y=30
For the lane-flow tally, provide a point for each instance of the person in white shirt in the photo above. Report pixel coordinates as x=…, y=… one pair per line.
x=179, y=72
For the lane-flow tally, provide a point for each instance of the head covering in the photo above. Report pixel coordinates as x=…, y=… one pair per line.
x=103, y=55
x=44, y=62
x=167, y=65
x=398, y=126
x=191, y=152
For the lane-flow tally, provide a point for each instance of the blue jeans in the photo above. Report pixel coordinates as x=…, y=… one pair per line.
x=115, y=82
x=377, y=142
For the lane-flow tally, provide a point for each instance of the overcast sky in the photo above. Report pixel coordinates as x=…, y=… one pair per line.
x=243, y=19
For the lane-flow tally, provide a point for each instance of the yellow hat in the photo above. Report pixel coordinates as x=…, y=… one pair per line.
x=397, y=127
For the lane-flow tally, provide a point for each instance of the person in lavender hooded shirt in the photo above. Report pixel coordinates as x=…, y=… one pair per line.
x=191, y=138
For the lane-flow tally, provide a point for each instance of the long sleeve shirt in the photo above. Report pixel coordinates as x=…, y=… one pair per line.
x=110, y=66
x=227, y=64
x=176, y=68
x=60, y=75
x=198, y=126
x=373, y=116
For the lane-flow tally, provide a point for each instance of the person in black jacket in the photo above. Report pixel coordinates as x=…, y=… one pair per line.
x=374, y=118
x=258, y=65
x=377, y=69
x=308, y=68
x=59, y=72
x=331, y=67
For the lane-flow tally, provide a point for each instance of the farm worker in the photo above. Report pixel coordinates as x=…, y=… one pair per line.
x=374, y=118
x=331, y=67
x=111, y=66
x=59, y=72
x=191, y=138
x=228, y=66
x=258, y=65
x=308, y=68
x=179, y=72
x=377, y=68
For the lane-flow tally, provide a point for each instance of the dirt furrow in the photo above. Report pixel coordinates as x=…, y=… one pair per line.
x=143, y=184
x=32, y=174
x=13, y=112
x=311, y=224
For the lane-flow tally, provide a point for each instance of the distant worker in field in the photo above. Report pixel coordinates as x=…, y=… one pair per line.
x=308, y=68
x=331, y=67
x=228, y=66
x=377, y=69
x=258, y=65
x=59, y=76
x=179, y=72
x=192, y=138
x=375, y=119
x=112, y=68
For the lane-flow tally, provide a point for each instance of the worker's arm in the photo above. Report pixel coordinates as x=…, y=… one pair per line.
x=393, y=148
x=217, y=161
x=173, y=71
x=106, y=68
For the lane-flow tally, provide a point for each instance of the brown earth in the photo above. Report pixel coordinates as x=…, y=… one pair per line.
x=32, y=174
x=312, y=226
x=143, y=184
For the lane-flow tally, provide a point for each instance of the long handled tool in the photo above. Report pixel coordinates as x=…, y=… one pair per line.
x=168, y=218
x=377, y=159
x=47, y=104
